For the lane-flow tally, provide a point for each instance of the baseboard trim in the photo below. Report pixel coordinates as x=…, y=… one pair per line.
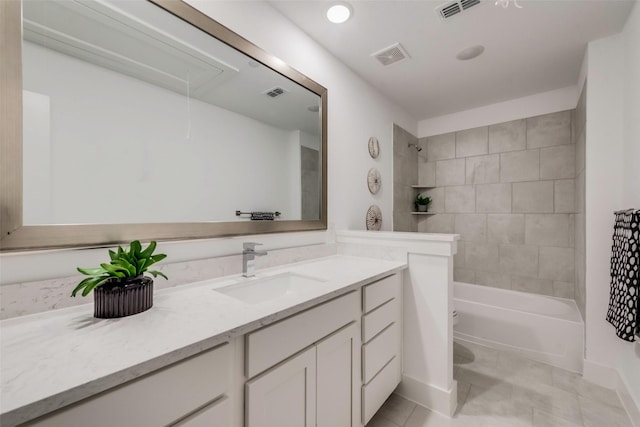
x=610, y=378
x=431, y=397
x=630, y=405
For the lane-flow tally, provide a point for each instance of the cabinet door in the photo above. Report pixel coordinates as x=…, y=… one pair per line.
x=284, y=396
x=338, y=367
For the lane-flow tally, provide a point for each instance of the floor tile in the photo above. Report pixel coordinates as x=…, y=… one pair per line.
x=396, y=409
x=422, y=417
x=544, y=419
x=380, y=421
x=551, y=400
x=597, y=414
x=495, y=407
x=519, y=370
x=574, y=383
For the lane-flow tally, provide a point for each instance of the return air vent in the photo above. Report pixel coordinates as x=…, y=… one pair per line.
x=450, y=9
x=391, y=55
x=275, y=92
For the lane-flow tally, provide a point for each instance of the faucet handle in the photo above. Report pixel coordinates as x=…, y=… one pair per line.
x=250, y=246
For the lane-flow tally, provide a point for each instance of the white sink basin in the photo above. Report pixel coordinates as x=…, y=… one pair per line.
x=258, y=290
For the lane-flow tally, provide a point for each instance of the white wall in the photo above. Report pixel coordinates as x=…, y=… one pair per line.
x=143, y=137
x=513, y=109
x=612, y=179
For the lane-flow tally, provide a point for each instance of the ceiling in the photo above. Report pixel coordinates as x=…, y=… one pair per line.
x=530, y=50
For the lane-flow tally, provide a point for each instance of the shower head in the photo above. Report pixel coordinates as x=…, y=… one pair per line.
x=417, y=147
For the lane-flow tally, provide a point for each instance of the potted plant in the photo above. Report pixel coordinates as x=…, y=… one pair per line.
x=120, y=286
x=422, y=203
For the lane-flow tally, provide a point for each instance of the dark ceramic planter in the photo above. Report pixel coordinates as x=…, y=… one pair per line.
x=123, y=297
x=422, y=208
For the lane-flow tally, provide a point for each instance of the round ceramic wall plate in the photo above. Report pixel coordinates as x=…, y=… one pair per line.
x=374, y=218
x=374, y=147
x=373, y=180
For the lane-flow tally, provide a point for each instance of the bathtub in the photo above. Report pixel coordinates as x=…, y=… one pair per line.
x=538, y=327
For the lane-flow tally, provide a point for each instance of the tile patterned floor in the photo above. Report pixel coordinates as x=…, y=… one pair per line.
x=498, y=389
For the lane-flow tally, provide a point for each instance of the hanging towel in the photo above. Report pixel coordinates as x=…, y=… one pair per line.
x=625, y=256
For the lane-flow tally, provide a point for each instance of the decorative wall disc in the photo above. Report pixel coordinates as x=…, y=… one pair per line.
x=374, y=218
x=374, y=147
x=373, y=180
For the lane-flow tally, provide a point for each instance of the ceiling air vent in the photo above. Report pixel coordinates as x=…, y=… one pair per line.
x=466, y=4
x=447, y=10
x=391, y=55
x=275, y=92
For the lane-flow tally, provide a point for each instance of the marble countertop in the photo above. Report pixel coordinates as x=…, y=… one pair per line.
x=52, y=359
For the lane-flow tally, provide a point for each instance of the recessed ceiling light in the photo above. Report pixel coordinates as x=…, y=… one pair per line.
x=470, y=52
x=339, y=13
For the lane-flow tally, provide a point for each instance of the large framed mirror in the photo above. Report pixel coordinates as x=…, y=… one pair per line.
x=147, y=120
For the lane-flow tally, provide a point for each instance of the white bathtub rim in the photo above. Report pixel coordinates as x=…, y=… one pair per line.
x=571, y=302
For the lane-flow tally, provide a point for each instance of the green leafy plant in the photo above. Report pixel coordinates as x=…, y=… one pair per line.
x=124, y=264
x=422, y=200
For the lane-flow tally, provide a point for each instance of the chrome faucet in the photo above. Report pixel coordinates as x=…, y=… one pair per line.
x=249, y=255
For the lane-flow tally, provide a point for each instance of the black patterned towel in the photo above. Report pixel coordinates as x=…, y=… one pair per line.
x=625, y=256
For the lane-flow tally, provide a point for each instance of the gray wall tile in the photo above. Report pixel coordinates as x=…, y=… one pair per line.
x=450, y=172
x=441, y=147
x=461, y=199
x=505, y=228
x=458, y=258
x=437, y=199
x=533, y=197
x=549, y=130
x=511, y=190
x=464, y=275
x=532, y=284
x=508, y=136
x=495, y=280
x=558, y=162
x=556, y=264
x=471, y=227
x=564, y=196
x=520, y=166
x=426, y=173
x=563, y=289
x=472, y=142
x=482, y=256
x=547, y=230
x=483, y=169
x=519, y=259
x=440, y=223
x=493, y=198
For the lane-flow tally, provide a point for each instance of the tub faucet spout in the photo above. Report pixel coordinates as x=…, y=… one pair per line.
x=249, y=255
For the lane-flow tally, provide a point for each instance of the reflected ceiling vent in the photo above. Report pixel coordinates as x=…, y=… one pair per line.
x=275, y=92
x=450, y=9
x=391, y=55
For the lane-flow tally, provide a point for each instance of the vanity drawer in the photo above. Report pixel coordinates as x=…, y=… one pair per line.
x=274, y=343
x=379, y=351
x=379, y=389
x=215, y=414
x=380, y=292
x=375, y=321
x=156, y=399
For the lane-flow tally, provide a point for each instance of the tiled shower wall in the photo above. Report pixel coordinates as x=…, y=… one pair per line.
x=405, y=174
x=579, y=133
x=509, y=191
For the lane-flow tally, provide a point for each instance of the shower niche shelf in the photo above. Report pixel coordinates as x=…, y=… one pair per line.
x=423, y=187
x=422, y=213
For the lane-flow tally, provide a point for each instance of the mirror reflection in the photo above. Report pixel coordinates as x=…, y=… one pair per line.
x=131, y=115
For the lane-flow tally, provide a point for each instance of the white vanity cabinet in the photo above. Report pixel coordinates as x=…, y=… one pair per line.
x=382, y=342
x=191, y=393
x=305, y=370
